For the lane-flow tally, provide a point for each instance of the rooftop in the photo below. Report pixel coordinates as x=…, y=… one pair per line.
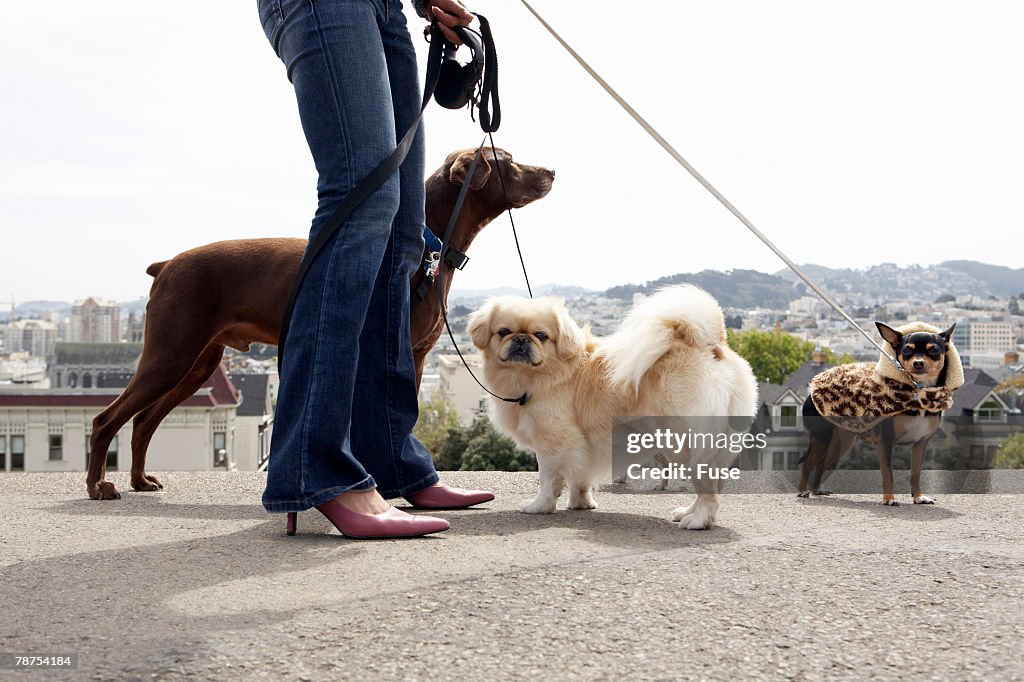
x=199, y=582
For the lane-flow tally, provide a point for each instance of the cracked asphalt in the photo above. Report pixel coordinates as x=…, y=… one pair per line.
x=198, y=582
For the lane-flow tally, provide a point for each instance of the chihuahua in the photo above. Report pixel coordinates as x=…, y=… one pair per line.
x=923, y=356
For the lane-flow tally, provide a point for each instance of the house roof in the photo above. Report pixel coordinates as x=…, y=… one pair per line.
x=799, y=379
x=255, y=390
x=218, y=391
x=104, y=354
x=977, y=385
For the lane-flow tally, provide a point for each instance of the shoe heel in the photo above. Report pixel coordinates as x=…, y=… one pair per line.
x=293, y=520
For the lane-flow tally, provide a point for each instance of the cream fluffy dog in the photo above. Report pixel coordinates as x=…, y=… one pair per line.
x=668, y=357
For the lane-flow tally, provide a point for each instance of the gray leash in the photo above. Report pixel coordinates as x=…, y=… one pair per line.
x=711, y=188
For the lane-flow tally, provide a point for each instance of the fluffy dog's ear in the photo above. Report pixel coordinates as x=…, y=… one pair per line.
x=479, y=326
x=460, y=166
x=571, y=339
x=948, y=334
x=889, y=334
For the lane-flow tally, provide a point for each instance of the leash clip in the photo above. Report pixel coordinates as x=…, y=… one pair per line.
x=431, y=262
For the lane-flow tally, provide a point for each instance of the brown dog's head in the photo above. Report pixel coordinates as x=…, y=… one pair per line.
x=536, y=336
x=923, y=354
x=524, y=184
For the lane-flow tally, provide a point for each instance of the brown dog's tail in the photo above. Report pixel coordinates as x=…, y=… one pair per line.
x=154, y=269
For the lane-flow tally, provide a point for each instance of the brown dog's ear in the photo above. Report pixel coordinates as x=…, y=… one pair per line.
x=460, y=166
x=479, y=327
x=889, y=334
x=571, y=339
x=948, y=334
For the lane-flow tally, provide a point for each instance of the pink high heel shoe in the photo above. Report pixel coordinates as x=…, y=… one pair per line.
x=443, y=497
x=394, y=523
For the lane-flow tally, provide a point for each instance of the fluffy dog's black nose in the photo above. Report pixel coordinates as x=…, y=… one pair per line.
x=521, y=340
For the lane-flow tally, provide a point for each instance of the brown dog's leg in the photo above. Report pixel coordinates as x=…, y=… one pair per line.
x=916, y=462
x=161, y=368
x=147, y=421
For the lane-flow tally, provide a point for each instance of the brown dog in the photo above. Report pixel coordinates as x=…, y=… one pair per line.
x=233, y=294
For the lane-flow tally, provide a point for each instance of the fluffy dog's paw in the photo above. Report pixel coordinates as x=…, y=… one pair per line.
x=924, y=499
x=679, y=512
x=583, y=501
x=696, y=521
x=538, y=505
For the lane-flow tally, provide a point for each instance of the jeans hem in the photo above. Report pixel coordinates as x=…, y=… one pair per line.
x=311, y=501
x=424, y=482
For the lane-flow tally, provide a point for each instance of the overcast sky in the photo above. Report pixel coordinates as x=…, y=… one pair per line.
x=851, y=133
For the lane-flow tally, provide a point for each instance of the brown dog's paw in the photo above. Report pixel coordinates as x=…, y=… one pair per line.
x=104, y=490
x=146, y=483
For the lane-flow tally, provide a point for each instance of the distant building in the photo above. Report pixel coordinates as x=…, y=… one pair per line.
x=94, y=321
x=49, y=430
x=984, y=336
x=35, y=337
x=805, y=305
x=254, y=421
x=456, y=384
x=135, y=329
x=81, y=365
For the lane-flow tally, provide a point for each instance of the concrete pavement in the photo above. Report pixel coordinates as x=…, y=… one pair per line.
x=198, y=582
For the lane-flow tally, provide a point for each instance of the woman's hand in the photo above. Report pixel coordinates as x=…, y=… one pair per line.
x=449, y=13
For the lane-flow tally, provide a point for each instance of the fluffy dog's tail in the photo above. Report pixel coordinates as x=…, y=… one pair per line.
x=678, y=315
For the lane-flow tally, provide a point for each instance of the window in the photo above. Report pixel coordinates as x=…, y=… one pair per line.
x=56, y=447
x=778, y=461
x=787, y=416
x=112, y=454
x=3, y=453
x=990, y=411
x=220, y=451
x=17, y=453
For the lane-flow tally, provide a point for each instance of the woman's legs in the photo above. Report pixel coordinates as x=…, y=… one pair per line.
x=335, y=58
x=387, y=407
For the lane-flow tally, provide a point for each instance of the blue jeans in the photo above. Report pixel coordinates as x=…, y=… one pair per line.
x=348, y=397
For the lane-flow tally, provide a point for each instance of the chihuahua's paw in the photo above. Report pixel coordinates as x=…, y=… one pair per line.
x=924, y=499
x=538, y=505
x=803, y=494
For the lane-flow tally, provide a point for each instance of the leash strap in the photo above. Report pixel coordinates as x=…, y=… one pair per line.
x=650, y=130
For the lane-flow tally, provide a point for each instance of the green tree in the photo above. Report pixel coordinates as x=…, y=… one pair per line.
x=488, y=450
x=437, y=417
x=1010, y=454
x=773, y=355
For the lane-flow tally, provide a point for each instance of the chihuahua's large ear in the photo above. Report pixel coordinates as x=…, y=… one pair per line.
x=571, y=339
x=479, y=326
x=460, y=166
x=948, y=334
x=889, y=334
